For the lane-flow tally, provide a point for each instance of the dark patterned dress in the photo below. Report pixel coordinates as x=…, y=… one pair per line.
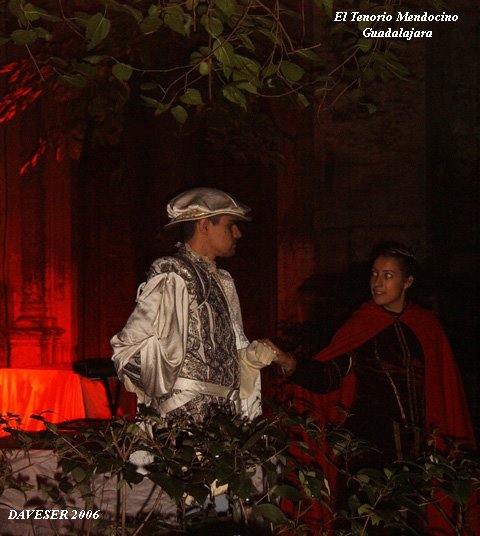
x=389, y=406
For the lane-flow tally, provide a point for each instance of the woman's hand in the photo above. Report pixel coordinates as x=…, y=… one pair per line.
x=284, y=360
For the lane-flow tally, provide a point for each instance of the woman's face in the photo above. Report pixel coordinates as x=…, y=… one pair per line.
x=388, y=284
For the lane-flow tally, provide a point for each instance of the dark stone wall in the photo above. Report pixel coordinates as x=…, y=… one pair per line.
x=452, y=183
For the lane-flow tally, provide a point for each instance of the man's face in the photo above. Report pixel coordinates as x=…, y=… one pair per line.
x=221, y=238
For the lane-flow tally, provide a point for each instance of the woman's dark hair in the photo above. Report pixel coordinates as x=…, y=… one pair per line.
x=404, y=255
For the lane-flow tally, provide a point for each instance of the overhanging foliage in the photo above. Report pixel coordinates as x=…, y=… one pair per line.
x=187, y=57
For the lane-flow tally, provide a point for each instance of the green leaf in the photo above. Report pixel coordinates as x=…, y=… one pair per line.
x=460, y=490
x=132, y=428
x=24, y=37
x=154, y=11
x=162, y=108
x=398, y=69
x=364, y=509
x=247, y=42
x=288, y=492
x=117, y=6
x=257, y=436
x=388, y=8
x=196, y=56
x=247, y=86
x=51, y=427
x=180, y=114
x=213, y=25
x=353, y=503
x=274, y=38
x=94, y=60
x=31, y=13
x=192, y=96
x=191, y=4
x=438, y=5
x=356, y=94
x=199, y=492
x=187, y=24
x=78, y=474
x=226, y=6
x=150, y=25
x=362, y=25
x=132, y=476
x=302, y=100
x=122, y=71
x=34, y=13
x=270, y=513
x=291, y=71
x=173, y=487
x=314, y=486
x=270, y=70
x=224, y=474
x=4, y=40
x=68, y=465
x=357, y=528
x=411, y=506
x=43, y=33
x=65, y=486
x=16, y=8
x=204, y=68
x=81, y=18
x=373, y=474
x=76, y=81
x=247, y=64
x=175, y=20
x=98, y=27
x=307, y=54
x=340, y=27
x=150, y=101
x=327, y=6
x=224, y=52
x=233, y=94
x=241, y=486
x=368, y=75
x=364, y=44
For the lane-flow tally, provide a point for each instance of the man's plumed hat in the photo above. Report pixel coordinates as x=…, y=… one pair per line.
x=199, y=203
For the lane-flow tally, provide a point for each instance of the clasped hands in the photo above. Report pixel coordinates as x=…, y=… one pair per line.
x=284, y=360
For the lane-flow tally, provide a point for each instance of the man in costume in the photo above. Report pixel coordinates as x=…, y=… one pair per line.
x=183, y=350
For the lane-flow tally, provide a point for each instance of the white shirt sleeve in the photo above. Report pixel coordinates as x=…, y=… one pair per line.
x=157, y=329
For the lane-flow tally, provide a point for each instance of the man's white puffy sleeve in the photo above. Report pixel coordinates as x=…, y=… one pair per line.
x=153, y=341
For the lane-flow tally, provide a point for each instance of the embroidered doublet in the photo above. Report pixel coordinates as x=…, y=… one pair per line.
x=211, y=354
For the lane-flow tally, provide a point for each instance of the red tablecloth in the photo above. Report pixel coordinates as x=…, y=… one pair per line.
x=63, y=392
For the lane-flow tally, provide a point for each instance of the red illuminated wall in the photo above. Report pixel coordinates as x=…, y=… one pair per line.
x=38, y=278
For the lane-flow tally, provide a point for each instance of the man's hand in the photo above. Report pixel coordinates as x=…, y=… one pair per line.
x=284, y=360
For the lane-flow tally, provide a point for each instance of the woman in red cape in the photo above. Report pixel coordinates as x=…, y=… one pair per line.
x=391, y=366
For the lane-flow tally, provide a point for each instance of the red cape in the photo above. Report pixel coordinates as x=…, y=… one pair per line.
x=446, y=406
